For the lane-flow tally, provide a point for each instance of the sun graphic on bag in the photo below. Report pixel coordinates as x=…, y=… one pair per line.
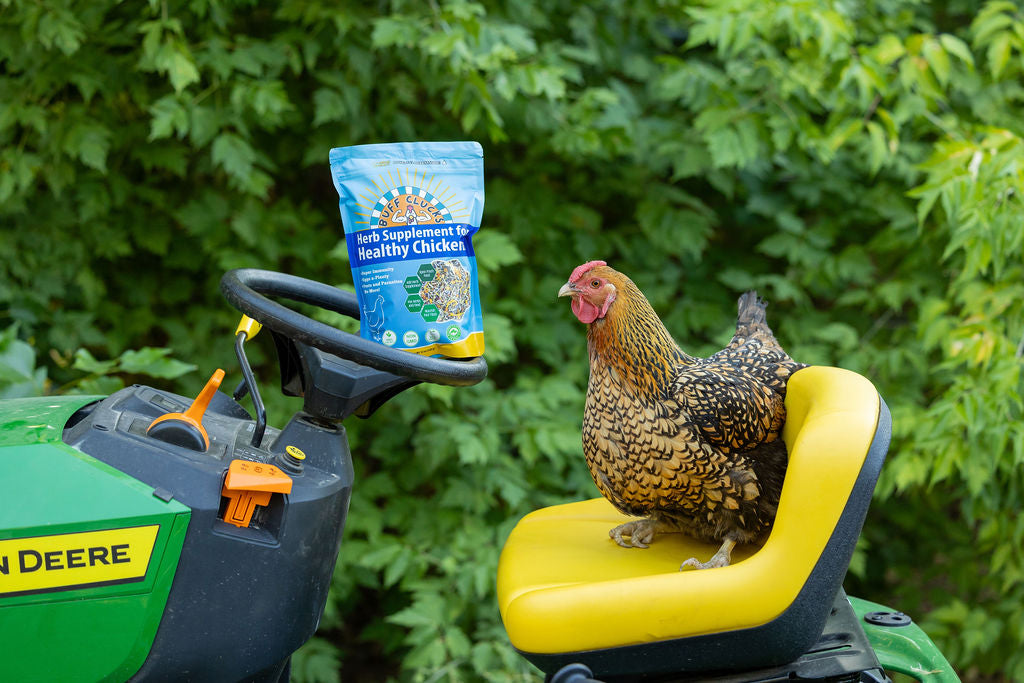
x=414, y=200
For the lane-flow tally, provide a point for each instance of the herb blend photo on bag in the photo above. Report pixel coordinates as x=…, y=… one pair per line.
x=410, y=210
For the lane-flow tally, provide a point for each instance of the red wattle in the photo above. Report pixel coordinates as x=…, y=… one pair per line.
x=585, y=311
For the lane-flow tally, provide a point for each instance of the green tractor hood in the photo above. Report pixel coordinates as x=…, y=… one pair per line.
x=87, y=553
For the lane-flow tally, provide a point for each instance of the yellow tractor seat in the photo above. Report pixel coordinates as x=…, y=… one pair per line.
x=568, y=594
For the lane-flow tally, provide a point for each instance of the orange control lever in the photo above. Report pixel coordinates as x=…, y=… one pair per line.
x=193, y=416
x=249, y=484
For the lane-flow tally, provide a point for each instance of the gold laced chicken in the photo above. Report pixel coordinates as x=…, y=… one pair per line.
x=687, y=444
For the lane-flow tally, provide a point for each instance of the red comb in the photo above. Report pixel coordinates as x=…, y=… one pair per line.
x=580, y=270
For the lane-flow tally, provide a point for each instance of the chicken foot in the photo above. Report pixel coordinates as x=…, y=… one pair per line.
x=641, y=532
x=719, y=559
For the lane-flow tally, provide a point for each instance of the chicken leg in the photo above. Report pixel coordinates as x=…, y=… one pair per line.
x=719, y=559
x=641, y=532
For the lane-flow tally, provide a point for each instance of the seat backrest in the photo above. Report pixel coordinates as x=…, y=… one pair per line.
x=838, y=431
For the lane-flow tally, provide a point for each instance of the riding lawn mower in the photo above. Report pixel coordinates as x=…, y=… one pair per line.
x=148, y=536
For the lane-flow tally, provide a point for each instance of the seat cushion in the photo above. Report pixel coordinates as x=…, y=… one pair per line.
x=565, y=586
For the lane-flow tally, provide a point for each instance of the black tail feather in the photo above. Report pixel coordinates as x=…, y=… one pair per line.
x=751, y=310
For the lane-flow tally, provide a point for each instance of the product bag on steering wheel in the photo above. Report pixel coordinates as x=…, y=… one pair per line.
x=410, y=210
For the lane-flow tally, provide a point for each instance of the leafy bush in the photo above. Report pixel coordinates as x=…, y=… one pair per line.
x=858, y=163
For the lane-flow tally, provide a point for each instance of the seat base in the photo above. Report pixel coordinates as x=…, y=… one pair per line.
x=842, y=654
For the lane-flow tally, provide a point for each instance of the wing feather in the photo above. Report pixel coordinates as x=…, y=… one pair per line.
x=731, y=408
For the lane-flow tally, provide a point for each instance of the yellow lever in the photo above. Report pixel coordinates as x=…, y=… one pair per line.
x=249, y=326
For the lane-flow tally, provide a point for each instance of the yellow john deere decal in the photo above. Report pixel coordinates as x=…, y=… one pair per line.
x=66, y=561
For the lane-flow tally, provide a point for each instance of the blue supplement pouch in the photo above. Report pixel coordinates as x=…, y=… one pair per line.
x=409, y=210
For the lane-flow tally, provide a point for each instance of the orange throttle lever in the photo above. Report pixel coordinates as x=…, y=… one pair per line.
x=186, y=429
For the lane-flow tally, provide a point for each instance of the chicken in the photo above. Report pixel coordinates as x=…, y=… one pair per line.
x=689, y=444
x=374, y=317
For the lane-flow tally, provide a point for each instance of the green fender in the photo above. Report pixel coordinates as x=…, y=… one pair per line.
x=905, y=649
x=87, y=553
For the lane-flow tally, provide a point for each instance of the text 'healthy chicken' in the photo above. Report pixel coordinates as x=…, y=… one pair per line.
x=692, y=445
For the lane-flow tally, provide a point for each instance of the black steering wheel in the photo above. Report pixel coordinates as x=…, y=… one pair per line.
x=245, y=288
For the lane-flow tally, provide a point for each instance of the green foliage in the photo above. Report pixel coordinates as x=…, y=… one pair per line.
x=20, y=376
x=858, y=163
x=316, y=662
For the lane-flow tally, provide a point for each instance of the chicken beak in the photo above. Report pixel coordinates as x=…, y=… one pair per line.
x=567, y=289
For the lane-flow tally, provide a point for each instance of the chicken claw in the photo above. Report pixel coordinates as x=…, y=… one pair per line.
x=719, y=559
x=641, y=533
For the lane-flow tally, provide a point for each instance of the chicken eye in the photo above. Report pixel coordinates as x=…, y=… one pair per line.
x=595, y=284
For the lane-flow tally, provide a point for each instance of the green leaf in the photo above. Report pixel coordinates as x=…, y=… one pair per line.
x=382, y=555
x=99, y=386
x=889, y=49
x=85, y=362
x=957, y=48
x=329, y=106
x=736, y=279
x=396, y=570
x=725, y=147
x=494, y=250
x=58, y=27
x=153, y=362
x=427, y=611
x=176, y=60
x=499, y=337
x=840, y=334
x=268, y=99
x=991, y=20
x=998, y=54
x=234, y=155
x=89, y=142
x=938, y=60
x=19, y=376
x=169, y=117
x=457, y=643
x=205, y=123
x=317, y=661
x=395, y=31
x=838, y=137
x=879, y=151
x=428, y=655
